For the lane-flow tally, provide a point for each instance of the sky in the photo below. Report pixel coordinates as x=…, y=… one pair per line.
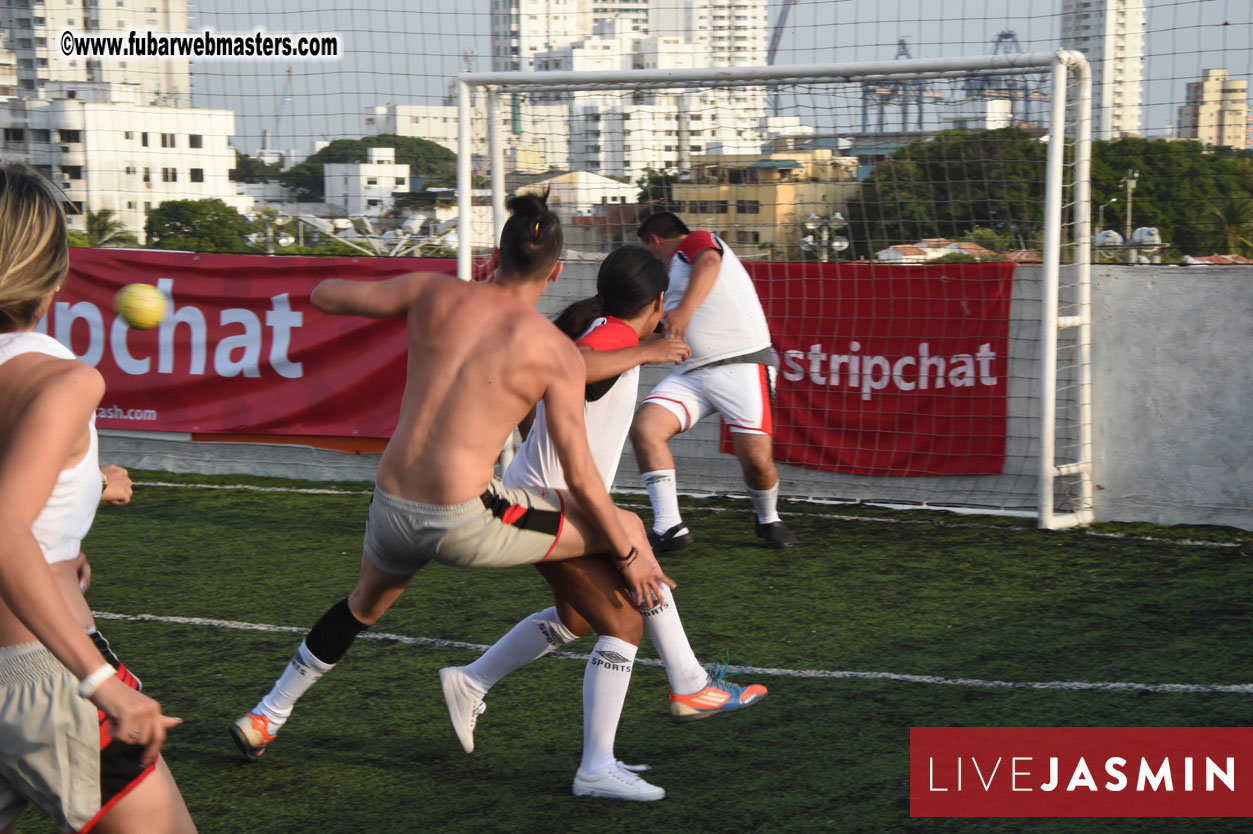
x=406, y=51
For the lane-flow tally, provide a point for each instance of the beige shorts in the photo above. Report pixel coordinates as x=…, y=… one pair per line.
x=503, y=527
x=49, y=740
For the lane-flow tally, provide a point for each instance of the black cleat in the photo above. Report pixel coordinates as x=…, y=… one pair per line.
x=672, y=539
x=776, y=535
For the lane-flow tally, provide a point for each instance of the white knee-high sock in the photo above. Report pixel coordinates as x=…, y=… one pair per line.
x=664, y=628
x=605, y=685
x=529, y=640
x=765, y=502
x=663, y=493
x=302, y=672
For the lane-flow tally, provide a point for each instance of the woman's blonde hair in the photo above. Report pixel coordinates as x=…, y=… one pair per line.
x=33, y=253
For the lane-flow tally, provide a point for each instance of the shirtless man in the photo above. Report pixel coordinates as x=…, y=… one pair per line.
x=480, y=356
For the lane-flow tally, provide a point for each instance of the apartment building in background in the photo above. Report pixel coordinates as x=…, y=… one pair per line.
x=1111, y=33
x=1216, y=112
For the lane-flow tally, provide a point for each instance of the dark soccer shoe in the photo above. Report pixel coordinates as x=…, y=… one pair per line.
x=672, y=539
x=776, y=535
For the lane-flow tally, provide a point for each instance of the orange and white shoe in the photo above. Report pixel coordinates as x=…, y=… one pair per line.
x=719, y=695
x=251, y=735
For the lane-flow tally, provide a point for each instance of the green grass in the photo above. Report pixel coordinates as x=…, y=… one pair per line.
x=370, y=749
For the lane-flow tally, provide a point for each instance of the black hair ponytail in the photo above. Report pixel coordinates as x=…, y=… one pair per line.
x=532, y=238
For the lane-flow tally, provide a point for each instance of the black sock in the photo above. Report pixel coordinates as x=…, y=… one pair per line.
x=334, y=633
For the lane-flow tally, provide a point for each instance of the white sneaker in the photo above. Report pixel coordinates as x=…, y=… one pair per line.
x=616, y=782
x=464, y=707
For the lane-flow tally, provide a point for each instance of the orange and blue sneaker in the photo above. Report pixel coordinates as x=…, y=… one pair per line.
x=719, y=695
x=251, y=735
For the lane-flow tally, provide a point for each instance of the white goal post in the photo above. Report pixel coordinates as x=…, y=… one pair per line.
x=1060, y=387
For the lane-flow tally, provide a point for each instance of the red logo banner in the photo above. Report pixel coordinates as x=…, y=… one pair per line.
x=890, y=370
x=242, y=350
x=1080, y=771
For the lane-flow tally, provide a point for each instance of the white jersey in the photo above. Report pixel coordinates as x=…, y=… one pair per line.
x=67, y=516
x=730, y=321
x=607, y=414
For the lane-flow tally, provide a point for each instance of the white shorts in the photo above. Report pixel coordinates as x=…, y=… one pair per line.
x=742, y=393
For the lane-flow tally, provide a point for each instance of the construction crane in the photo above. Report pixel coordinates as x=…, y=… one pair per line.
x=1023, y=94
x=277, y=135
x=912, y=93
x=772, y=52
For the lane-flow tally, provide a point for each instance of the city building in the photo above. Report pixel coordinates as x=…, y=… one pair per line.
x=759, y=202
x=1217, y=111
x=1111, y=34
x=8, y=73
x=108, y=152
x=365, y=189
x=113, y=134
x=579, y=193
x=975, y=114
x=618, y=132
x=30, y=29
x=536, y=136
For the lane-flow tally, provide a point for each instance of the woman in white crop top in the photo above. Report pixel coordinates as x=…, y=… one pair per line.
x=55, y=685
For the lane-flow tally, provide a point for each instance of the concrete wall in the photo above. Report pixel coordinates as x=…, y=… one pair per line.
x=1172, y=381
x=1172, y=358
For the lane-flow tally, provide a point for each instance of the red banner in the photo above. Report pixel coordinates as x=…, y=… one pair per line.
x=1080, y=772
x=890, y=370
x=242, y=350
x=883, y=370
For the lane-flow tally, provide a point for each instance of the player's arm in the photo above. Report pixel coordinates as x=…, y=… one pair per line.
x=373, y=299
x=606, y=364
x=704, y=276
x=563, y=408
x=30, y=464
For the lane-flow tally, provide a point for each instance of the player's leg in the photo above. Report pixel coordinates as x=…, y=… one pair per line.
x=324, y=646
x=593, y=588
x=672, y=407
x=744, y=395
x=154, y=806
x=465, y=687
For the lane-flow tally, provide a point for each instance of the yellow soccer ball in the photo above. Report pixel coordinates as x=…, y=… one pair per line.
x=142, y=306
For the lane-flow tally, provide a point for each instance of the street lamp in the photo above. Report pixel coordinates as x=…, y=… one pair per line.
x=823, y=241
x=1100, y=213
x=1133, y=177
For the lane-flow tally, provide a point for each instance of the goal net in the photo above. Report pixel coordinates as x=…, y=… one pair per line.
x=917, y=231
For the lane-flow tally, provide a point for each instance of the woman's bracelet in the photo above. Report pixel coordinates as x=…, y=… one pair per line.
x=630, y=557
x=88, y=686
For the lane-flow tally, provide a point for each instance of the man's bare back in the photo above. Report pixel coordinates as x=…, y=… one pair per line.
x=479, y=358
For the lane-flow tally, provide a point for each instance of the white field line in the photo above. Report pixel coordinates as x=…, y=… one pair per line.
x=823, y=516
x=1081, y=686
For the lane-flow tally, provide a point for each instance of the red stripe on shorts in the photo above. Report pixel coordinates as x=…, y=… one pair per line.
x=767, y=416
x=561, y=525
x=514, y=514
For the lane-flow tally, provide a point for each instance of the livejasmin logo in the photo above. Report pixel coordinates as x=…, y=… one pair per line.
x=1081, y=771
x=1151, y=777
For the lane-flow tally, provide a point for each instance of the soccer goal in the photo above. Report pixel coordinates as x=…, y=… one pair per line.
x=918, y=231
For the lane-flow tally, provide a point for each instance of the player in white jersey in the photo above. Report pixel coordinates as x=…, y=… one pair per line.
x=77, y=738
x=608, y=329
x=713, y=305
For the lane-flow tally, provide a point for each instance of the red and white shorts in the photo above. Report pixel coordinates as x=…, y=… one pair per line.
x=742, y=393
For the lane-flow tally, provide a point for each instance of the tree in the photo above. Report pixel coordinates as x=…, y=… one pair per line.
x=424, y=158
x=950, y=185
x=1233, y=221
x=657, y=189
x=988, y=187
x=250, y=169
x=105, y=228
x=198, y=226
